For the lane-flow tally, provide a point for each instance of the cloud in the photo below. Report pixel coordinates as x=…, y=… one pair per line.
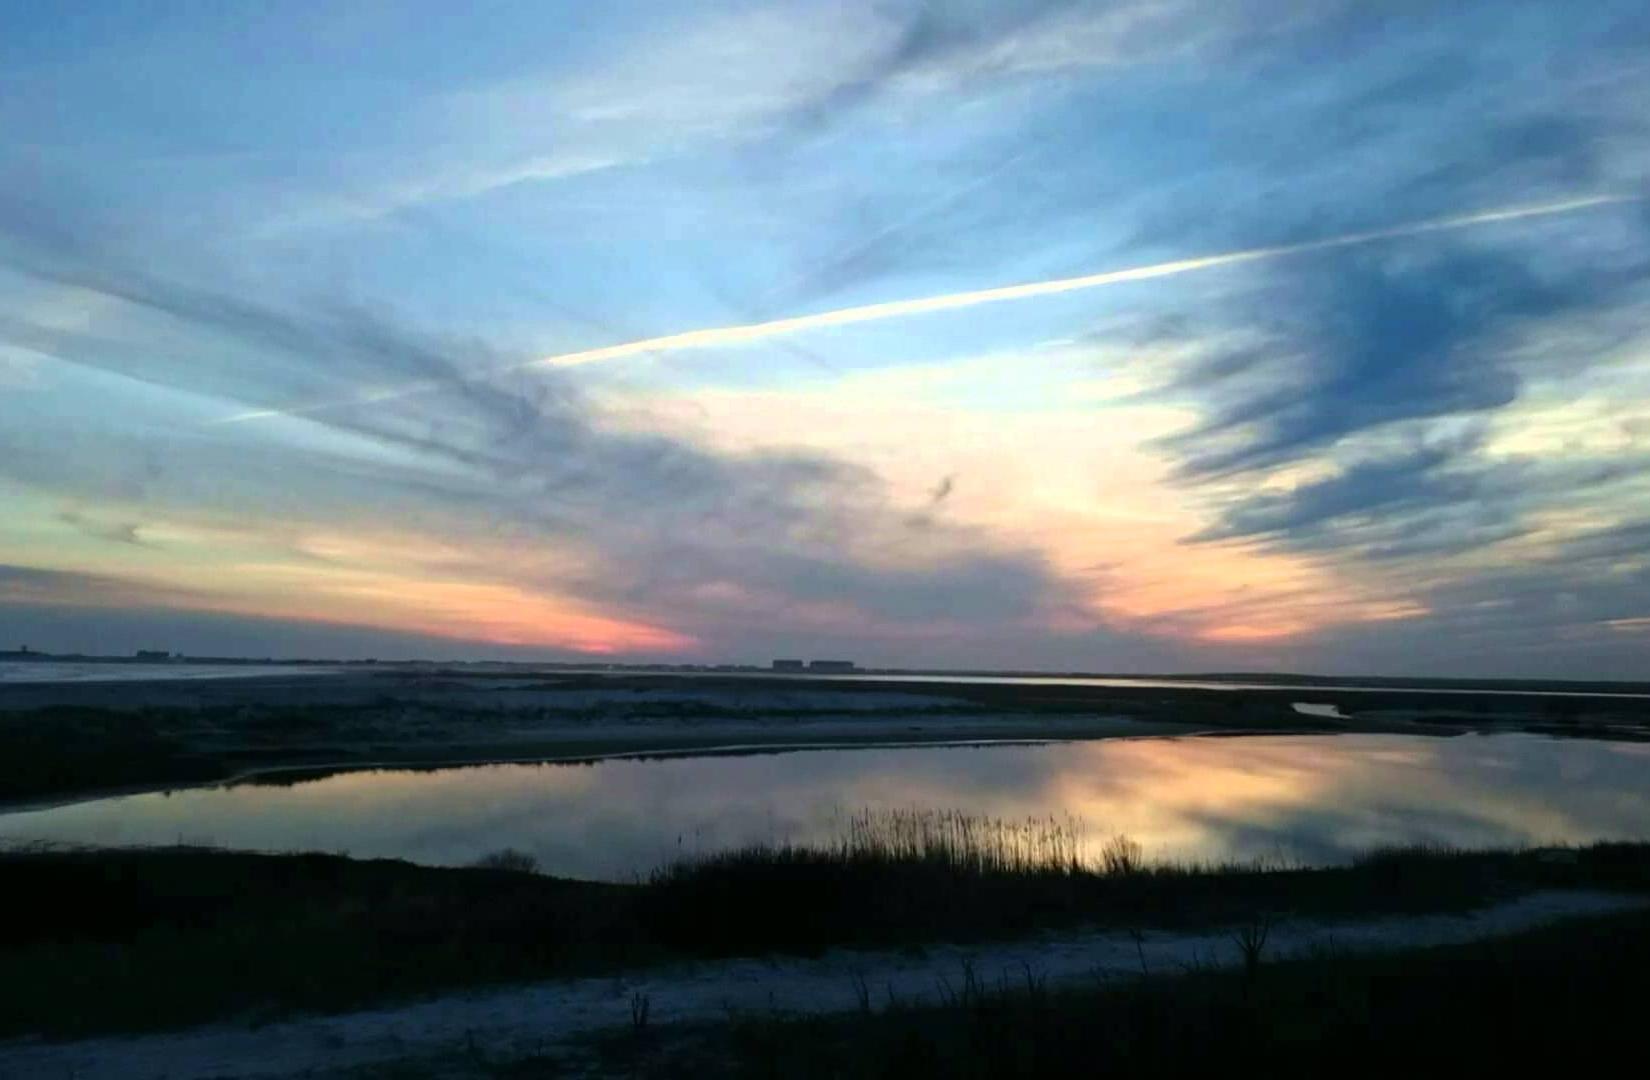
x=759, y=74
x=32, y=585
x=671, y=86
x=1384, y=428
x=936, y=46
x=656, y=521
x=1441, y=498
x=711, y=337
x=19, y=369
x=119, y=532
x=51, y=625
x=1552, y=612
x=1372, y=340
x=1425, y=416
x=1378, y=488
x=1379, y=417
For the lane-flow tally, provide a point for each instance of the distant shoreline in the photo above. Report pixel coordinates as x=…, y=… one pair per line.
x=15, y=670
x=51, y=673
x=63, y=741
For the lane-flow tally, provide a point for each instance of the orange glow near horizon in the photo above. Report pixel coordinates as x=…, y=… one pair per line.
x=397, y=582
x=1119, y=540
x=803, y=329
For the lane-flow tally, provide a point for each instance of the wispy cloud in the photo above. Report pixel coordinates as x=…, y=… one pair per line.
x=741, y=74
x=1320, y=331
x=895, y=309
x=658, y=521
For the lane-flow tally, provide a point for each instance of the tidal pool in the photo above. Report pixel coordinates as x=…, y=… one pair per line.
x=1311, y=799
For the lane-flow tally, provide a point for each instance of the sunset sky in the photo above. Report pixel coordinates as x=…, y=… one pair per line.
x=1141, y=336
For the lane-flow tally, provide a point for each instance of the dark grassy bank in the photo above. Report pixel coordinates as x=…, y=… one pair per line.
x=1562, y=1000
x=76, y=750
x=57, y=751
x=71, y=750
x=110, y=940
x=125, y=940
x=798, y=900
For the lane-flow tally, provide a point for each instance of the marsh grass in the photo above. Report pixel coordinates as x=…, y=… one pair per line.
x=887, y=878
x=62, y=749
x=960, y=842
x=952, y=841
x=151, y=938
x=880, y=875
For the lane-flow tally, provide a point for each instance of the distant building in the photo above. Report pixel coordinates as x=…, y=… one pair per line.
x=788, y=665
x=831, y=666
x=152, y=654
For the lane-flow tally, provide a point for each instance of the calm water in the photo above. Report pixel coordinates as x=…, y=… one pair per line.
x=75, y=672
x=1320, y=799
x=55, y=671
x=1146, y=682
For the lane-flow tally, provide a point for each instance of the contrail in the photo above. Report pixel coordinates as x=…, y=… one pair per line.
x=893, y=309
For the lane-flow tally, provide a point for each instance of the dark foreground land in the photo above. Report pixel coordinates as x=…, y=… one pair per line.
x=73, y=740
x=135, y=940
x=1561, y=1000
x=119, y=940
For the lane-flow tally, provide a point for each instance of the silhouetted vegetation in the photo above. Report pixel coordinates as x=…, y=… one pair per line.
x=165, y=937
x=508, y=859
x=887, y=885
x=64, y=749
x=128, y=939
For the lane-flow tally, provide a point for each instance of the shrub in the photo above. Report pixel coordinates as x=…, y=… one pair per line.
x=511, y=859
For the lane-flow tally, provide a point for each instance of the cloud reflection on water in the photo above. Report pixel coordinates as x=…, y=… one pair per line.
x=1316, y=799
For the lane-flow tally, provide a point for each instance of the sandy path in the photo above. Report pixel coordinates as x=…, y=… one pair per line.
x=527, y=1019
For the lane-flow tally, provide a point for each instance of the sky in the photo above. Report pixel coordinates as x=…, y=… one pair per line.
x=1142, y=336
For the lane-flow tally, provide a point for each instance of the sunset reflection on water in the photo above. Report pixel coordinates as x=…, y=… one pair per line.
x=1309, y=799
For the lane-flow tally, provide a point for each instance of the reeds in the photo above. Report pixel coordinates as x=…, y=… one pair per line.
x=955, y=841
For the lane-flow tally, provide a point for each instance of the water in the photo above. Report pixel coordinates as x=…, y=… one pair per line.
x=1328, y=712
x=53, y=671
x=1314, y=799
x=1146, y=682
x=68, y=671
